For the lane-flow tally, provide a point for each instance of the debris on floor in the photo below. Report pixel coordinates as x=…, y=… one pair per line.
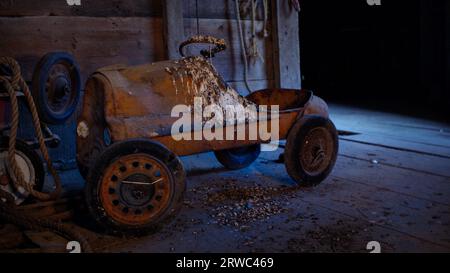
x=236, y=206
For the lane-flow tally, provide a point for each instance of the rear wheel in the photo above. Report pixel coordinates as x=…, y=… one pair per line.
x=135, y=186
x=311, y=150
x=238, y=158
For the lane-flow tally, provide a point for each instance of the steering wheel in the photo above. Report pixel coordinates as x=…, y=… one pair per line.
x=219, y=45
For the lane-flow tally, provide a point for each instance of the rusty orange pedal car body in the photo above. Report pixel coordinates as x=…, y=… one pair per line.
x=129, y=155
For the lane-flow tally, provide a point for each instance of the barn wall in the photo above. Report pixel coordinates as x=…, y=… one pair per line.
x=220, y=20
x=104, y=32
x=98, y=33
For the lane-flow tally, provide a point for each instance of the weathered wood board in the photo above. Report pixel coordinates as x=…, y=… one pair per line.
x=230, y=63
x=354, y=189
x=95, y=42
x=285, y=36
x=254, y=85
x=421, y=163
x=125, y=40
x=225, y=9
x=392, y=130
x=173, y=23
x=91, y=8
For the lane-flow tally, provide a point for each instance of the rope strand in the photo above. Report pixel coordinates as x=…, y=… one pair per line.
x=17, y=82
x=8, y=209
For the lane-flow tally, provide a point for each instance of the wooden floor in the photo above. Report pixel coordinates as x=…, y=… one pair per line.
x=391, y=184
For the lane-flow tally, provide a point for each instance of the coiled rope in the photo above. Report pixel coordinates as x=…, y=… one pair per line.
x=8, y=209
x=16, y=82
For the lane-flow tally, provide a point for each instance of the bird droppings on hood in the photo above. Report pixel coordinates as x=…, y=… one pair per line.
x=206, y=83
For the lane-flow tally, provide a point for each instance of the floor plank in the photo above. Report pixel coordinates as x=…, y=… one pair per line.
x=423, y=163
x=393, y=130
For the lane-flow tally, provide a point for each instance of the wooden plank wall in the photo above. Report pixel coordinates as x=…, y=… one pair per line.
x=103, y=32
x=98, y=33
x=130, y=32
x=287, y=57
x=220, y=20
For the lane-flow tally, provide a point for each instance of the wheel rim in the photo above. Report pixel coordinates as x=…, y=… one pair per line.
x=28, y=172
x=316, y=151
x=59, y=88
x=135, y=189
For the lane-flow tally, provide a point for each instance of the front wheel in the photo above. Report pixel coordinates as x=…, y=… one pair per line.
x=238, y=158
x=135, y=186
x=311, y=150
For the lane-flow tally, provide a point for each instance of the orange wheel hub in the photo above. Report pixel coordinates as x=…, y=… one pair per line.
x=135, y=189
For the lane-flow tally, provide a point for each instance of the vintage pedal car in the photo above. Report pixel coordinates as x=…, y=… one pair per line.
x=129, y=154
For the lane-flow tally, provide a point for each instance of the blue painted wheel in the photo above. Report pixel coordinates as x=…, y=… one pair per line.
x=56, y=87
x=238, y=158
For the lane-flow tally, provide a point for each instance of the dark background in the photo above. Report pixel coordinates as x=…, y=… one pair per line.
x=391, y=57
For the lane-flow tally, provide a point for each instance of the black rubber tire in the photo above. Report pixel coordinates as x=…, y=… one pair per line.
x=36, y=160
x=120, y=149
x=40, y=76
x=294, y=145
x=238, y=158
